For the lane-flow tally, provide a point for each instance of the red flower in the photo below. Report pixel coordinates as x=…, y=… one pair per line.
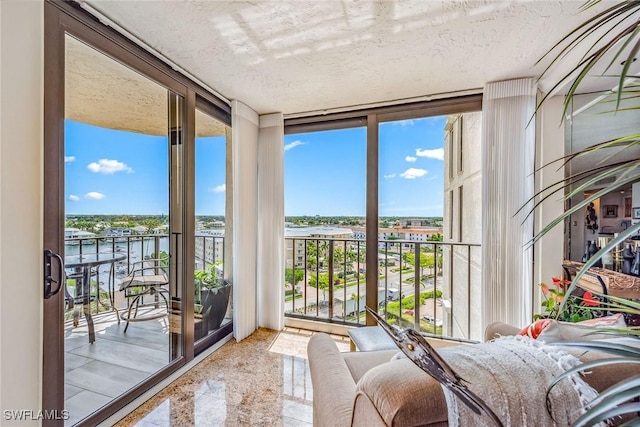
x=589, y=300
x=545, y=289
x=560, y=283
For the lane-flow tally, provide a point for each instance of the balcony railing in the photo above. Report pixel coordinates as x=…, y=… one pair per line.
x=444, y=284
x=415, y=283
x=209, y=250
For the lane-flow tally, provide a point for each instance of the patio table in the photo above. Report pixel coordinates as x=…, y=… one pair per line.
x=85, y=263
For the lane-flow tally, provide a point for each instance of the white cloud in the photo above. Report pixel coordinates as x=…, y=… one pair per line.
x=411, y=159
x=69, y=159
x=391, y=175
x=94, y=195
x=293, y=144
x=436, y=153
x=73, y=197
x=408, y=122
x=108, y=167
x=413, y=173
x=218, y=188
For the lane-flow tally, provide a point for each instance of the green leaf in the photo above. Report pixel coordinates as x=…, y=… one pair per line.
x=609, y=408
x=616, y=349
x=590, y=365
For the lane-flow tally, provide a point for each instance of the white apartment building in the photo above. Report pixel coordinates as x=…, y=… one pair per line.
x=209, y=247
x=462, y=219
x=422, y=234
x=298, y=236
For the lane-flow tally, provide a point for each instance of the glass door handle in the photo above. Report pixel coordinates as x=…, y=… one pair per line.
x=49, y=255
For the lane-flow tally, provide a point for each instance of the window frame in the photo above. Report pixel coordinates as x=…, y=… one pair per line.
x=371, y=118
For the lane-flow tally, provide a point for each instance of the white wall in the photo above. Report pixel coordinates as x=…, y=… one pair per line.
x=548, y=251
x=21, y=57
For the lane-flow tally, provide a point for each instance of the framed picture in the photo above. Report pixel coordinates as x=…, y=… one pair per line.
x=636, y=213
x=627, y=207
x=610, y=211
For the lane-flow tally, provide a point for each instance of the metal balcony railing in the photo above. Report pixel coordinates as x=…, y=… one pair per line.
x=413, y=293
x=444, y=284
x=208, y=250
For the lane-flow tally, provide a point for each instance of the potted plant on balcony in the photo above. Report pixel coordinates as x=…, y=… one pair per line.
x=212, y=297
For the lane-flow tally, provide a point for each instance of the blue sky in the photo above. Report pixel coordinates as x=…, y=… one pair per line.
x=325, y=171
x=117, y=172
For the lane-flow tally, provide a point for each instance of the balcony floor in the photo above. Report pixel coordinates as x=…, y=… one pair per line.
x=96, y=373
x=262, y=380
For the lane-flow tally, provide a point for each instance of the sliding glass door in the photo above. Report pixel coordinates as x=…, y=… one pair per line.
x=122, y=143
x=120, y=309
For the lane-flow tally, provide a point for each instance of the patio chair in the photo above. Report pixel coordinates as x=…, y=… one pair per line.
x=147, y=278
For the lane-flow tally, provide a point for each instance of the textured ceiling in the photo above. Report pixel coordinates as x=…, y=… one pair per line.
x=295, y=56
x=105, y=93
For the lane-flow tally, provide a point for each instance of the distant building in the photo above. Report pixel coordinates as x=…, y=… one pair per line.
x=422, y=234
x=140, y=229
x=76, y=233
x=462, y=222
x=300, y=234
x=116, y=232
x=412, y=222
x=209, y=247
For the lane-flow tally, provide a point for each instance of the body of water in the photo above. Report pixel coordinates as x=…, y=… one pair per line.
x=136, y=249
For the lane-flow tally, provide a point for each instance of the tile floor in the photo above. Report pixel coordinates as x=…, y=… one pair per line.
x=127, y=358
x=263, y=380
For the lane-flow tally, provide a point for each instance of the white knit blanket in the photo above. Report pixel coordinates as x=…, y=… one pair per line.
x=511, y=375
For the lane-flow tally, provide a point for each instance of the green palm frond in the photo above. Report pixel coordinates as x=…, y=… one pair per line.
x=608, y=38
x=590, y=365
x=613, y=348
x=607, y=412
x=621, y=31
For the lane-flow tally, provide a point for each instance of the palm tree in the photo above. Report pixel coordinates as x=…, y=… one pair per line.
x=352, y=257
x=610, y=48
x=311, y=254
x=323, y=251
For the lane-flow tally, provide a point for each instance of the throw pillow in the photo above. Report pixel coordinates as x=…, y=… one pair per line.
x=551, y=330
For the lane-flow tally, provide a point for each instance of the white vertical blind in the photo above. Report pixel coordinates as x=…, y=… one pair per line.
x=271, y=222
x=244, y=123
x=508, y=156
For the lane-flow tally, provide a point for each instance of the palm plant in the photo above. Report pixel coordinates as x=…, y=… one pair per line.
x=610, y=37
x=623, y=36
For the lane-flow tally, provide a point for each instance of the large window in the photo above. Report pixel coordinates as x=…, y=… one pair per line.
x=396, y=249
x=325, y=222
x=410, y=206
x=212, y=283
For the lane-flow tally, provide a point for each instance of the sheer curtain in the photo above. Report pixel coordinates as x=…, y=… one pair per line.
x=271, y=222
x=508, y=155
x=245, y=130
x=258, y=219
